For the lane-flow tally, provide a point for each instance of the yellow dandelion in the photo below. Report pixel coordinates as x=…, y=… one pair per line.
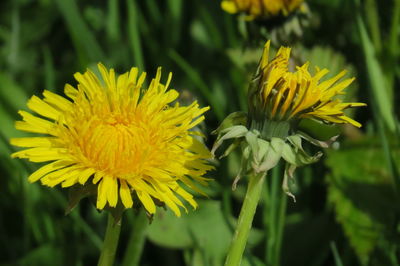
x=122, y=138
x=260, y=8
x=282, y=95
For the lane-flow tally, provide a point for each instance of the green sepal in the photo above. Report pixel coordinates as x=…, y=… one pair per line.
x=233, y=119
x=229, y=133
x=116, y=212
x=244, y=166
x=78, y=192
x=231, y=147
x=319, y=143
x=254, y=143
x=288, y=175
x=272, y=155
x=294, y=154
x=318, y=130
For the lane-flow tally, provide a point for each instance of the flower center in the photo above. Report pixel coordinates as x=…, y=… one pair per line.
x=116, y=148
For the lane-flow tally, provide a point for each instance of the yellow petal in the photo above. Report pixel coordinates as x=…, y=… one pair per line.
x=111, y=185
x=229, y=6
x=42, y=108
x=147, y=201
x=71, y=178
x=33, y=142
x=44, y=170
x=54, y=178
x=101, y=195
x=125, y=194
x=35, y=124
x=41, y=154
x=84, y=175
x=70, y=91
x=57, y=101
x=187, y=196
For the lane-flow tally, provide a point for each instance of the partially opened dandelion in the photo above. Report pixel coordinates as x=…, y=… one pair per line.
x=260, y=8
x=278, y=101
x=128, y=141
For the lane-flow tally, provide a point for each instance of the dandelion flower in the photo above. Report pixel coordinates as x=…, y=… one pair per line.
x=278, y=100
x=281, y=95
x=260, y=8
x=122, y=138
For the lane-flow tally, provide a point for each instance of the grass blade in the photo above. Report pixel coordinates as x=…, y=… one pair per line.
x=380, y=92
x=87, y=47
x=134, y=34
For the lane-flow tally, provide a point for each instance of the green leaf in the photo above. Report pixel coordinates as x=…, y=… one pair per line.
x=361, y=191
x=46, y=255
x=210, y=231
x=206, y=229
x=167, y=230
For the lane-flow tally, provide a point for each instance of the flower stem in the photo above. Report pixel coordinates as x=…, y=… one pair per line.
x=110, y=242
x=137, y=240
x=274, y=216
x=246, y=216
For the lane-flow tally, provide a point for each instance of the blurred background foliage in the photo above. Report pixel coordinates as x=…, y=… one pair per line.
x=347, y=210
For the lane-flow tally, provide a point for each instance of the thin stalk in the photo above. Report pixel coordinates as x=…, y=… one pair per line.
x=392, y=256
x=245, y=221
x=372, y=17
x=394, y=29
x=393, y=45
x=271, y=216
x=336, y=256
x=110, y=242
x=280, y=226
x=275, y=215
x=266, y=211
x=137, y=240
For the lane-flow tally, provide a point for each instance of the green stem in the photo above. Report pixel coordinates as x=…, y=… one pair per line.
x=246, y=216
x=271, y=215
x=110, y=242
x=136, y=240
x=281, y=226
x=274, y=216
x=266, y=213
x=336, y=256
x=394, y=29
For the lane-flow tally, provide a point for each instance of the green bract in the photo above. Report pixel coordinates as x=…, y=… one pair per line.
x=261, y=151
